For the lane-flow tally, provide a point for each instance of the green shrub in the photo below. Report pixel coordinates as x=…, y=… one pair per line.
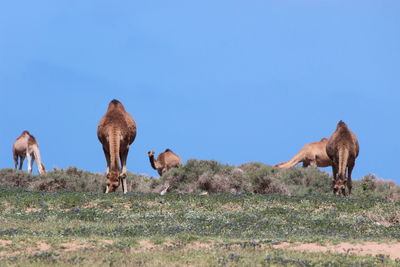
x=303, y=181
x=70, y=179
x=371, y=186
x=15, y=178
x=197, y=176
x=264, y=180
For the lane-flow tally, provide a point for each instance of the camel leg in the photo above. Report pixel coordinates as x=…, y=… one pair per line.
x=107, y=155
x=124, y=186
x=107, y=189
x=21, y=162
x=334, y=173
x=349, y=181
x=124, y=156
x=30, y=162
x=15, y=160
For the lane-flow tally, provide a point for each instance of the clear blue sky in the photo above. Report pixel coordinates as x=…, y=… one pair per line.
x=235, y=81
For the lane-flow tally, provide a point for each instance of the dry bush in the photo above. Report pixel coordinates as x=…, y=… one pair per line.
x=186, y=177
x=15, y=178
x=197, y=176
x=375, y=187
x=262, y=179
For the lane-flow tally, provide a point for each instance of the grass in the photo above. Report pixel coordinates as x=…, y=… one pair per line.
x=239, y=228
x=57, y=219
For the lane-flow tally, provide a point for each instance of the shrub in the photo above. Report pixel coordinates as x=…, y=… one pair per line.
x=70, y=179
x=197, y=176
x=15, y=178
x=263, y=180
x=303, y=181
x=368, y=183
x=372, y=186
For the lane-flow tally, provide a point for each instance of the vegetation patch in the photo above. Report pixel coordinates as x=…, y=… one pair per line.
x=301, y=224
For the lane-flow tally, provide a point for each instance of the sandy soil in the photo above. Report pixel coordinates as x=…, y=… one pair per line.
x=366, y=248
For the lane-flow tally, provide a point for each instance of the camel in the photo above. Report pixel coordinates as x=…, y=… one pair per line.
x=165, y=161
x=342, y=148
x=313, y=154
x=27, y=146
x=116, y=132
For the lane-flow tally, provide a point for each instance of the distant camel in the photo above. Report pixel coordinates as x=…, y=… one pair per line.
x=313, y=154
x=342, y=148
x=165, y=161
x=116, y=132
x=27, y=146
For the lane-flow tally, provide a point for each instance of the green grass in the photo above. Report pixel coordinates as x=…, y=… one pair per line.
x=63, y=218
x=239, y=229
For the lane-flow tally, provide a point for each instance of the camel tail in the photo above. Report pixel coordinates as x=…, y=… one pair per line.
x=39, y=163
x=114, y=141
x=343, y=159
x=290, y=163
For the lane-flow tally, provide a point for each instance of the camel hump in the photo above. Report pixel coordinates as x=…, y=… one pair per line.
x=30, y=136
x=115, y=102
x=116, y=105
x=32, y=140
x=168, y=150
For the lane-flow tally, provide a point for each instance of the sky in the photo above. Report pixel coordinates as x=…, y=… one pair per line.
x=233, y=81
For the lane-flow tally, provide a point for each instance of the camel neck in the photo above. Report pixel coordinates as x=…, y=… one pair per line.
x=153, y=162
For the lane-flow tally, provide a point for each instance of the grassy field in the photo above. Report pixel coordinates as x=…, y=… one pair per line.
x=253, y=215
x=63, y=228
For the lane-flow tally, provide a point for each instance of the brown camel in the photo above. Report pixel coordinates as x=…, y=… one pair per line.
x=342, y=148
x=116, y=132
x=313, y=154
x=165, y=161
x=27, y=146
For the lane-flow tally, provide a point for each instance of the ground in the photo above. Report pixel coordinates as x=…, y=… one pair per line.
x=69, y=228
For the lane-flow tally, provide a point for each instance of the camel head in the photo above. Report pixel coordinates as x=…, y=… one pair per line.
x=339, y=187
x=113, y=181
x=151, y=153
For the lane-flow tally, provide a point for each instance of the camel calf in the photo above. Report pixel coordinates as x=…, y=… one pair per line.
x=116, y=132
x=27, y=146
x=313, y=154
x=165, y=161
x=342, y=148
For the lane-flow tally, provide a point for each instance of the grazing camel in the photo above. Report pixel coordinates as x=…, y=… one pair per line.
x=116, y=132
x=313, y=154
x=27, y=146
x=342, y=148
x=165, y=161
